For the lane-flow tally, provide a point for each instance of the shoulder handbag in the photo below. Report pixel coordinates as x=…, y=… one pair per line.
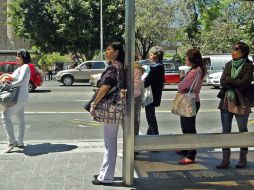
x=87, y=105
x=8, y=95
x=185, y=104
x=147, y=96
x=112, y=108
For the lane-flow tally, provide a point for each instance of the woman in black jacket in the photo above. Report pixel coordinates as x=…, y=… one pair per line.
x=155, y=79
x=235, y=81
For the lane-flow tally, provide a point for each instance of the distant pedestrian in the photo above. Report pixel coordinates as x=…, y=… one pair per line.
x=235, y=80
x=50, y=72
x=188, y=124
x=115, y=56
x=44, y=69
x=20, y=77
x=155, y=79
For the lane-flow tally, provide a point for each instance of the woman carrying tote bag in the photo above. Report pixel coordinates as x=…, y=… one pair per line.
x=115, y=55
x=188, y=124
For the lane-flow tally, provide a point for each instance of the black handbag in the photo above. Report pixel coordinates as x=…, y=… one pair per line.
x=250, y=95
x=87, y=105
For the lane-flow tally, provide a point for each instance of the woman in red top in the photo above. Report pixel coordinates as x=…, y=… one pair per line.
x=188, y=124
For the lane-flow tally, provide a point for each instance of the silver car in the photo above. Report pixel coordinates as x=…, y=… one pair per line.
x=81, y=73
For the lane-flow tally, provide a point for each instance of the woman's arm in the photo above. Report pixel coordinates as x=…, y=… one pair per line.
x=101, y=93
x=186, y=83
x=245, y=81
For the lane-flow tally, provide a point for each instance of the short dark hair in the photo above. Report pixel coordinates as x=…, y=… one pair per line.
x=244, y=48
x=25, y=55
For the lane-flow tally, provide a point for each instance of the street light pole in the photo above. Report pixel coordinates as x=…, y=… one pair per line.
x=101, y=31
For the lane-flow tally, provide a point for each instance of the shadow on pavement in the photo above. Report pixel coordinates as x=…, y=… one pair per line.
x=45, y=148
x=161, y=171
x=40, y=91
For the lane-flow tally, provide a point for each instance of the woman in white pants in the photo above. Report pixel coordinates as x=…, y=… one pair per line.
x=115, y=55
x=21, y=77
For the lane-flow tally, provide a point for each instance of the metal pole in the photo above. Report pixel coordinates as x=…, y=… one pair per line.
x=101, y=30
x=128, y=129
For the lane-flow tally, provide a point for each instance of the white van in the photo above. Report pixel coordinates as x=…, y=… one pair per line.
x=216, y=63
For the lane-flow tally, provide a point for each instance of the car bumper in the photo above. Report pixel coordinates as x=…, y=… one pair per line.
x=58, y=77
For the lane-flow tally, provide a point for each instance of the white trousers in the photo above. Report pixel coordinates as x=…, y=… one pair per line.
x=7, y=116
x=107, y=170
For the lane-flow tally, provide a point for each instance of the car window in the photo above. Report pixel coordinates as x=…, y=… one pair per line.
x=2, y=68
x=10, y=68
x=15, y=67
x=207, y=61
x=98, y=65
x=169, y=66
x=83, y=67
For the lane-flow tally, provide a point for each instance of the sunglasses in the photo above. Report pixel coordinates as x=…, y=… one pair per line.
x=236, y=49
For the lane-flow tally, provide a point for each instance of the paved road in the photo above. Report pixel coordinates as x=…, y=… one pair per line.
x=54, y=112
x=64, y=148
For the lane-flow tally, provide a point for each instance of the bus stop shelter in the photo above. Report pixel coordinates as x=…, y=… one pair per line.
x=161, y=142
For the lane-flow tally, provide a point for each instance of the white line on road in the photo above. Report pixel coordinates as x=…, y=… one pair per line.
x=232, y=149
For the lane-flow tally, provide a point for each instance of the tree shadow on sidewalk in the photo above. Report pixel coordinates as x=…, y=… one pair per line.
x=45, y=148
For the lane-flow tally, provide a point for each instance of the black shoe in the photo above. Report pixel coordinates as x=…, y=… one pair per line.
x=97, y=182
x=95, y=176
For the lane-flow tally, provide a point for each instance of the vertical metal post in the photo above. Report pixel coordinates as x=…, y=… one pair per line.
x=101, y=31
x=128, y=130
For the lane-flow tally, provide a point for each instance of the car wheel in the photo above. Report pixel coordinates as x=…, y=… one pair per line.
x=67, y=80
x=31, y=86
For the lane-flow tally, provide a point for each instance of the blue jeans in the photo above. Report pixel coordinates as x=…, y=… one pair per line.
x=226, y=121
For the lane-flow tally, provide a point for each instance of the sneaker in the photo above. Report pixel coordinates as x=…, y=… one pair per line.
x=10, y=147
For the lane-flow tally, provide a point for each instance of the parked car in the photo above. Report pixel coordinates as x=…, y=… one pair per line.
x=95, y=79
x=171, y=70
x=81, y=73
x=35, y=76
x=214, y=79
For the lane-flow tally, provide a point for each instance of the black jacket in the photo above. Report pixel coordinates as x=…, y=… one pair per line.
x=155, y=78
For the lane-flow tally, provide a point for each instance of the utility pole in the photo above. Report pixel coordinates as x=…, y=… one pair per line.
x=101, y=31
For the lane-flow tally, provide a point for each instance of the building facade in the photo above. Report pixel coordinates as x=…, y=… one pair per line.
x=8, y=40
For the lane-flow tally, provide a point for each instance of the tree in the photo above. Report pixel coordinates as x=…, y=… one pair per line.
x=153, y=20
x=67, y=26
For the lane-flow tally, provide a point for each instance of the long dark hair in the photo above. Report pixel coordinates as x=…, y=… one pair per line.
x=195, y=59
x=25, y=55
x=118, y=46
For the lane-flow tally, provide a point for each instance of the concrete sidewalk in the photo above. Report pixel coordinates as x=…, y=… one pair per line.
x=71, y=165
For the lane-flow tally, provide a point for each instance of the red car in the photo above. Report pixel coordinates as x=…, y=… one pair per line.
x=171, y=70
x=35, y=77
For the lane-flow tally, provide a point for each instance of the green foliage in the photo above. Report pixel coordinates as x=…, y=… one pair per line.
x=67, y=26
x=153, y=20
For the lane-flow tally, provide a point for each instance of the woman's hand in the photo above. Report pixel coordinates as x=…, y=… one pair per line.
x=92, y=110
